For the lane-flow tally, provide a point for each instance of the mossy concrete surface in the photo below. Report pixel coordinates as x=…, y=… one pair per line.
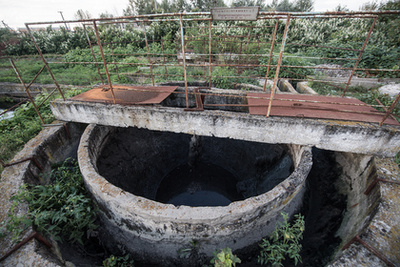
x=53, y=144
x=382, y=232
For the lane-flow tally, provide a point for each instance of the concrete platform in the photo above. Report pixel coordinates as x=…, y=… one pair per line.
x=335, y=135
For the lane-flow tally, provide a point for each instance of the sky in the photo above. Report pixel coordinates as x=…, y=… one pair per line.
x=15, y=13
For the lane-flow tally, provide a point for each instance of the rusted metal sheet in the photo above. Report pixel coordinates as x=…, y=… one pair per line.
x=127, y=95
x=315, y=106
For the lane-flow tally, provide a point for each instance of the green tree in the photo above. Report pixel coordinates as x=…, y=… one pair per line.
x=141, y=7
x=166, y=6
x=239, y=3
x=206, y=5
x=181, y=6
x=295, y=6
x=370, y=6
x=81, y=15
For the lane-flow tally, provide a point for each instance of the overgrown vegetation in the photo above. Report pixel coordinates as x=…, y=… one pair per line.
x=15, y=132
x=224, y=258
x=283, y=243
x=121, y=261
x=61, y=209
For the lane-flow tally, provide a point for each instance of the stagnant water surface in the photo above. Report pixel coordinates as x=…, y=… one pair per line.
x=205, y=184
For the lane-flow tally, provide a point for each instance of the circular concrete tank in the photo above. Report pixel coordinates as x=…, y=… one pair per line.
x=156, y=231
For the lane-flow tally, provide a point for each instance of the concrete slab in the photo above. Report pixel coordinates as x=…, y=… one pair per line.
x=345, y=136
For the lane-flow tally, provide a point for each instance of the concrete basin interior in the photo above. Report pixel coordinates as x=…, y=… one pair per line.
x=179, y=168
x=332, y=198
x=265, y=180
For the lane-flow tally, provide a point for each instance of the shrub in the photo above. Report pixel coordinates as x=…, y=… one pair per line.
x=61, y=209
x=224, y=258
x=114, y=261
x=284, y=241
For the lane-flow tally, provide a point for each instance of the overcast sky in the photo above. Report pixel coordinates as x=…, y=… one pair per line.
x=16, y=12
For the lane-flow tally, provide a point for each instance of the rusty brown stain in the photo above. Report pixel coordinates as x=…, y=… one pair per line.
x=315, y=106
x=127, y=95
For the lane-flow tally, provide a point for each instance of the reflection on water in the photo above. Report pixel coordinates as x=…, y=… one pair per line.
x=203, y=185
x=8, y=115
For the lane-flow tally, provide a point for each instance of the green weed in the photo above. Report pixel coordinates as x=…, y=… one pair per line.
x=224, y=258
x=61, y=209
x=283, y=242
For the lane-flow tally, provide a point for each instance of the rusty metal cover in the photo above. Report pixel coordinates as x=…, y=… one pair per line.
x=315, y=106
x=127, y=95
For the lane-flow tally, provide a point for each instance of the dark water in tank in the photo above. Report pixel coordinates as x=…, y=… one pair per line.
x=205, y=184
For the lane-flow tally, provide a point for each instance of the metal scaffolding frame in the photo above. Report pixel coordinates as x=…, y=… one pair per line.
x=236, y=45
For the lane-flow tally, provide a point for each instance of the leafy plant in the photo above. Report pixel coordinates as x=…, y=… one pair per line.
x=122, y=261
x=283, y=242
x=25, y=124
x=185, y=253
x=224, y=258
x=61, y=209
x=223, y=77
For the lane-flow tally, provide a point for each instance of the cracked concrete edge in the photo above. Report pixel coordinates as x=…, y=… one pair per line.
x=383, y=232
x=49, y=146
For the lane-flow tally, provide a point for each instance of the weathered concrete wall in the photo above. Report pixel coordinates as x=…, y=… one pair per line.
x=154, y=230
x=136, y=160
x=354, y=137
x=285, y=86
x=380, y=229
x=17, y=90
x=50, y=146
x=303, y=88
x=358, y=172
x=375, y=220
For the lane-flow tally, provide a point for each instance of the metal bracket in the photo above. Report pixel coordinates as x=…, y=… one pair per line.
x=23, y=160
x=35, y=235
x=370, y=248
x=375, y=182
x=199, y=101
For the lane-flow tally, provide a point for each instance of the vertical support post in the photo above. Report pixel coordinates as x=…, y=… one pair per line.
x=93, y=54
x=104, y=60
x=239, y=60
x=184, y=60
x=270, y=53
x=209, y=52
x=258, y=48
x=115, y=63
x=279, y=65
x=148, y=54
x=45, y=61
x=26, y=90
x=359, y=56
x=165, y=66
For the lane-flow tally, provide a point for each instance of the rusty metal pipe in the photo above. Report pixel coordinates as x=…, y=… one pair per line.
x=104, y=60
x=37, y=75
x=390, y=109
x=32, y=235
x=270, y=54
x=16, y=105
x=209, y=52
x=148, y=53
x=359, y=56
x=24, y=160
x=93, y=54
x=184, y=61
x=279, y=65
x=26, y=90
x=44, y=60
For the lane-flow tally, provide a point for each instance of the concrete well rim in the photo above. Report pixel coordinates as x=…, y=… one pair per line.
x=119, y=199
